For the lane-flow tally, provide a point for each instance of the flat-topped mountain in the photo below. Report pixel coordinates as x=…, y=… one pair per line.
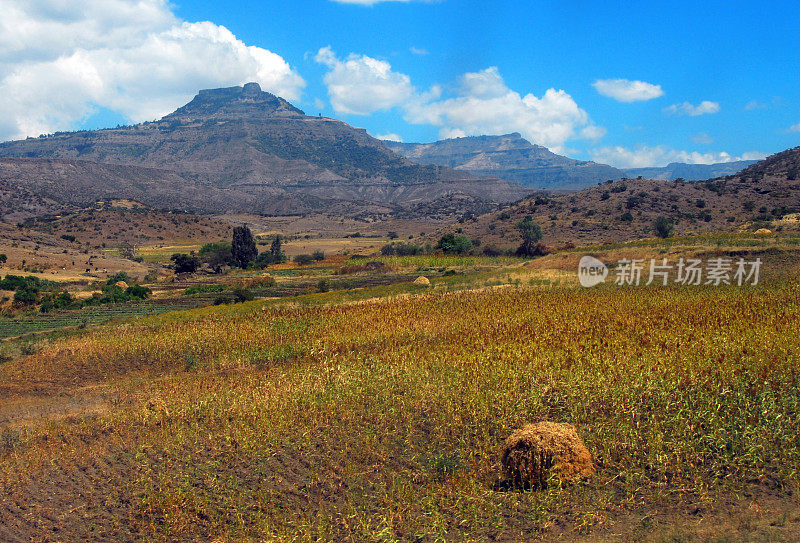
x=509, y=157
x=265, y=155
x=691, y=172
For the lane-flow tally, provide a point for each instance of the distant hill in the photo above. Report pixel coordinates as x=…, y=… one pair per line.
x=764, y=192
x=509, y=157
x=691, y=172
x=237, y=149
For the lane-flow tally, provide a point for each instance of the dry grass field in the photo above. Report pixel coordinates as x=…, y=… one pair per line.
x=379, y=414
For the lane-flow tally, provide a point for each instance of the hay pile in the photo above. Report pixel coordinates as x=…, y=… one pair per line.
x=535, y=452
x=763, y=232
x=422, y=280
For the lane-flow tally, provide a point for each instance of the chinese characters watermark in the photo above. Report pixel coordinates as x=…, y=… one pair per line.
x=690, y=271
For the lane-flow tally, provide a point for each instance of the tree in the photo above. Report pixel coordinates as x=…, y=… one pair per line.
x=304, y=259
x=183, y=263
x=216, y=254
x=3, y=258
x=276, y=250
x=243, y=247
x=662, y=227
x=454, y=244
x=531, y=235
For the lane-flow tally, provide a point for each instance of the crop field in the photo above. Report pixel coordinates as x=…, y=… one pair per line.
x=380, y=414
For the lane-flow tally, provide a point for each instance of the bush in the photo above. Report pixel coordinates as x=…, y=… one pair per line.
x=303, y=259
x=454, y=244
x=183, y=263
x=216, y=254
x=323, y=285
x=662, y=227
x=242, y=295
x=138, y=292
x=117, y=277
x=318, y=255
x=25, y=296
x=203, y=288
x=626, y=217
x=401, y=249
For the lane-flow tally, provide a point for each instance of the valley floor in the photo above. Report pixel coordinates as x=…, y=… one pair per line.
x=379, y=413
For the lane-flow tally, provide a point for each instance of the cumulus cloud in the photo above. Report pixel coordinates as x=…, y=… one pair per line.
x=624, y=90
x=361, y=85
x=754, y=105
x=644, y=156
x=704, y=108
x=702, y=138
x=59, y=61
x=481, y=103
x=484, y=104
x=389, y=137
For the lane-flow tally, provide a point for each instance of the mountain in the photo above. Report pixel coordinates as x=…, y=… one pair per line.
x=509, y=157
x=766, y=193
x=238, y=149
x=691, y=172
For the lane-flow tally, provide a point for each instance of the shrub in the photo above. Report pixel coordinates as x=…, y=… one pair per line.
x=662, y=227
x=401, y=249
x=183, y=263
x=303, y=259
x=203, y=288
x=318, y=255
x=242, y=295
x=216, y=254
x=626, y=217
x=454, y=244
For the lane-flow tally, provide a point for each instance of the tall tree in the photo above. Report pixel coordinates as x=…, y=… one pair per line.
x=243, y=247
x=531, y=235
x=276, y=250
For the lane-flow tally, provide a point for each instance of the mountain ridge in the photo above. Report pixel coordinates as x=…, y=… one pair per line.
x=261, y=150
x=509, y=157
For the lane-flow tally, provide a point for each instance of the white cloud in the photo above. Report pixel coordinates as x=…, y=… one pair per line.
x=795, y=128
x=361, y=85
x=643, y=156
x=753, y=105
x=702, y=138
x=418, y=51
x=704, y=108
x=486, y=105
x=482, y=103
x=624, y=90
x=61, y=60
x=389, y=137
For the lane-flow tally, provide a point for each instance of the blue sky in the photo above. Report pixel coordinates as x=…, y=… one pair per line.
x=632, y=84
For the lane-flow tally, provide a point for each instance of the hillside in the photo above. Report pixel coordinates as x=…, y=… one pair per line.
x=236, y=149
x=767, y=192
x=509, y=157
x=691, y=172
